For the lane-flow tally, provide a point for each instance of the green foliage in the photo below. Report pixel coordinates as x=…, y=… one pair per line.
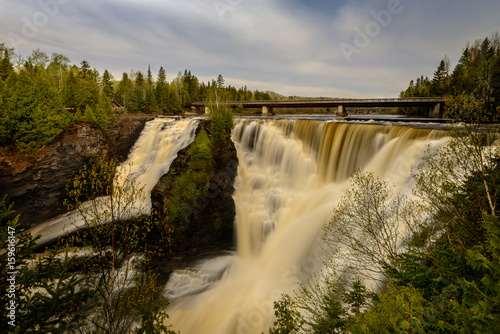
x=107, y=85
x=358, y=297
x=6, y=67
x=115, y=240
x=368, y=225
x=221, y=124
x=35, y=96
x=59, y=301
x=482, y=297
x=240, y=109
x=321, y=302
x=398, y=310
x=479, y=65
x=288, y=318
x=194, y=182
x=48, y=295
x=32, y=110
x=321, y=306
x=88, y=115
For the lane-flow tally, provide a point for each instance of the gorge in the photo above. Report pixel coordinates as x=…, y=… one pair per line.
x=291, y=173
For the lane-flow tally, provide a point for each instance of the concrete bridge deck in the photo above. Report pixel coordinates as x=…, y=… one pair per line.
x=434, y=103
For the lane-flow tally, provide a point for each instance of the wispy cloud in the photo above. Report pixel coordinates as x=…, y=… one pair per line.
x=292, y=47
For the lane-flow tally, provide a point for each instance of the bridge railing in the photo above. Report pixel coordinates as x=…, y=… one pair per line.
x=337, y=101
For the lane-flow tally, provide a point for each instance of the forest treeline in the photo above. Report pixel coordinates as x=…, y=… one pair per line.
x=41, y=96
x=477, y=67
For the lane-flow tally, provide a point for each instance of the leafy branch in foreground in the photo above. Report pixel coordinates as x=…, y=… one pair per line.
x=48, y=294
x=369, y=225
x=115, y=251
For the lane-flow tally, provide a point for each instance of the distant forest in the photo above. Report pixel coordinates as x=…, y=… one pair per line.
x=41, y=96
x=477, y=72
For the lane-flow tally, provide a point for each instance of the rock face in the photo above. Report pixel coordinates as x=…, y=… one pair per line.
x=210, y=224
x=37, y=185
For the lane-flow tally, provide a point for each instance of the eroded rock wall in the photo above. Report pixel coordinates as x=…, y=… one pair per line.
x=210, y=223
x=37, y=184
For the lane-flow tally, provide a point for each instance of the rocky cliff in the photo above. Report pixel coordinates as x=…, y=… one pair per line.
x=37, y=184
x=209, y=223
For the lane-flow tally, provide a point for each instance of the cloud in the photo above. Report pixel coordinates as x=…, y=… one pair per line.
x=289, y=46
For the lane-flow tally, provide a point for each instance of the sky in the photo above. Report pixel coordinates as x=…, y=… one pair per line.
x=293, y=47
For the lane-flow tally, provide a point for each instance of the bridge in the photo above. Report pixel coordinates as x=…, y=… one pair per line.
x=435, y=104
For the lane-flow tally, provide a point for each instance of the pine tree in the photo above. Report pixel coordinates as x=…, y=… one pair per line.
x=439, y=81
x=88, y=115
x=85, y=69
x=124, y=91
x=138, y=93
x=150, y=100
x=162, y=91
x=49, y=297
x=220, y=81
x=6, y=67
x=173, y=102
x=107, y=85
x=104, y=113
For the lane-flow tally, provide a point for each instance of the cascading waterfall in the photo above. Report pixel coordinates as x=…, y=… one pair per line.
x=148, y=160
x=291, y=175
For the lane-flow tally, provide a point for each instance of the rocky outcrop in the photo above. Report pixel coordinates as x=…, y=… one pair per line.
x=209, y=225
x=37, y=184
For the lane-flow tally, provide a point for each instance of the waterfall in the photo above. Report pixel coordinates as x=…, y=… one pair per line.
x=149, y=159
x=291, y=175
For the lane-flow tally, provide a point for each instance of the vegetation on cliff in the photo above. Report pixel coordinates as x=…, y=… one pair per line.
x=194, y=182
x=478, y=67
x=38, y=93
x=193, y=200
x=116, y=252
x=97, y=280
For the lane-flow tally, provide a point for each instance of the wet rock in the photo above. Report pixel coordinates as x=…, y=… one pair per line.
x=209, y=227
x=37, y=184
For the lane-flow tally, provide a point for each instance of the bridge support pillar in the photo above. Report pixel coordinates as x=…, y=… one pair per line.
x=340, y=111
x=435, y=111
x=267, y=111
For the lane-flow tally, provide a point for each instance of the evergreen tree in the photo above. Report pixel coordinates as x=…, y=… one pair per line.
x=104, y=113
x=162, y=91
x=70, y=87
x=88, y=115
x=107, y=85
x=138, y=92
x=35, y=110
x=48, y=295
x=150, y=99
x=440, y=79
x=6, y=67
x=173, y=103
x=124, y=91
x=220, y=81
x=85, y=70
